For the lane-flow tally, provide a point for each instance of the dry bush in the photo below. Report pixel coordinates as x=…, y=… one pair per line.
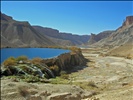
x=36, y=60
x=129, y=56
x=75, y=49
x=54, y=67
x=9, y=62
x=23, y=58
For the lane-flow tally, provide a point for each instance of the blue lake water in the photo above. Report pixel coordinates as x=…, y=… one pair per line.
x=30, y=52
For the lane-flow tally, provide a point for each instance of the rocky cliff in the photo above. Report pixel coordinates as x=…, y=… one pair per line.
x=120, y=42
x=122, y=35
x=62, y=38
x=128, y=21
x=20, y=34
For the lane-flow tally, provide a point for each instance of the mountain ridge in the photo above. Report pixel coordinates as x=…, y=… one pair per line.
x=73, y=39
x=22, y=34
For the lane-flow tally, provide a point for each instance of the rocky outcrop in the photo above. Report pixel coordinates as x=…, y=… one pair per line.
x=48, y=68
x=128, y=21
x=66, y=61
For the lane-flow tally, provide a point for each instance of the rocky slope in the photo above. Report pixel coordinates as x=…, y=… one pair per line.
x=120, y=42
x=95, y=38
x=123, y=35
x=62, y=38
x=20, y=34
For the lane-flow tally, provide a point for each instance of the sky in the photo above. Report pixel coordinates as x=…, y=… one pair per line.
x=77, y=17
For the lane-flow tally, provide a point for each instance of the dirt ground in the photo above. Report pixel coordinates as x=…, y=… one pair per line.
x=113, y=76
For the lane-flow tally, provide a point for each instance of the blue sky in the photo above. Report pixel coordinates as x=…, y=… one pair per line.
x=77, y=17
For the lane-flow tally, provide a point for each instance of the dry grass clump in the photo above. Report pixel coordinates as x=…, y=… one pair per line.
x=10, y=61
x=129, y=56
x=75, y=49
x=22, y=58
x=36, y=60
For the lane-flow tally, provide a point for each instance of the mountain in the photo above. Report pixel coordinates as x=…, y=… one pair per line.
x=95, y=38
x=122, y=35
x=62, y=38
x=120, y=42
x=20, y=34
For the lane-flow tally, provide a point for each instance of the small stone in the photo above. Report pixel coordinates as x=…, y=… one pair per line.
x=125, y=83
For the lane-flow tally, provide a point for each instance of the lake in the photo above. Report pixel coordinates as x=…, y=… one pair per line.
x=30, y=52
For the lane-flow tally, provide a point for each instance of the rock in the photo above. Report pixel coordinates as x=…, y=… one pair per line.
x=73, y=97
x=125, y=83
x=58, y=96
x=45, y=93
x=34, y=97
x=32, y=91
x=88, y=95
x=129, y=21
x=66, y=61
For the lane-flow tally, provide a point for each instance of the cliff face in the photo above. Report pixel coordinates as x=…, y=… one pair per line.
x=66, y=61
x=62, y=38
x=121, y=36
x=120, y=42
x=20, y=34
x=129, y=21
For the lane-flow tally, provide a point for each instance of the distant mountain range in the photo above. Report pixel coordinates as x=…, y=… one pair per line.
x=22, y=34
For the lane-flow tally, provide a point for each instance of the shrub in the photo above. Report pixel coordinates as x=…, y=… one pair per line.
x=54, y=67
x=31, y=78
x=64, y=75
x=129, y=56
x=9, y=62
x=23, y=58
x=75, y=49
x=36, y=60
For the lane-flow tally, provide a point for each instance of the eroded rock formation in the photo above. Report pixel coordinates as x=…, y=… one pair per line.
x=48, y=68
